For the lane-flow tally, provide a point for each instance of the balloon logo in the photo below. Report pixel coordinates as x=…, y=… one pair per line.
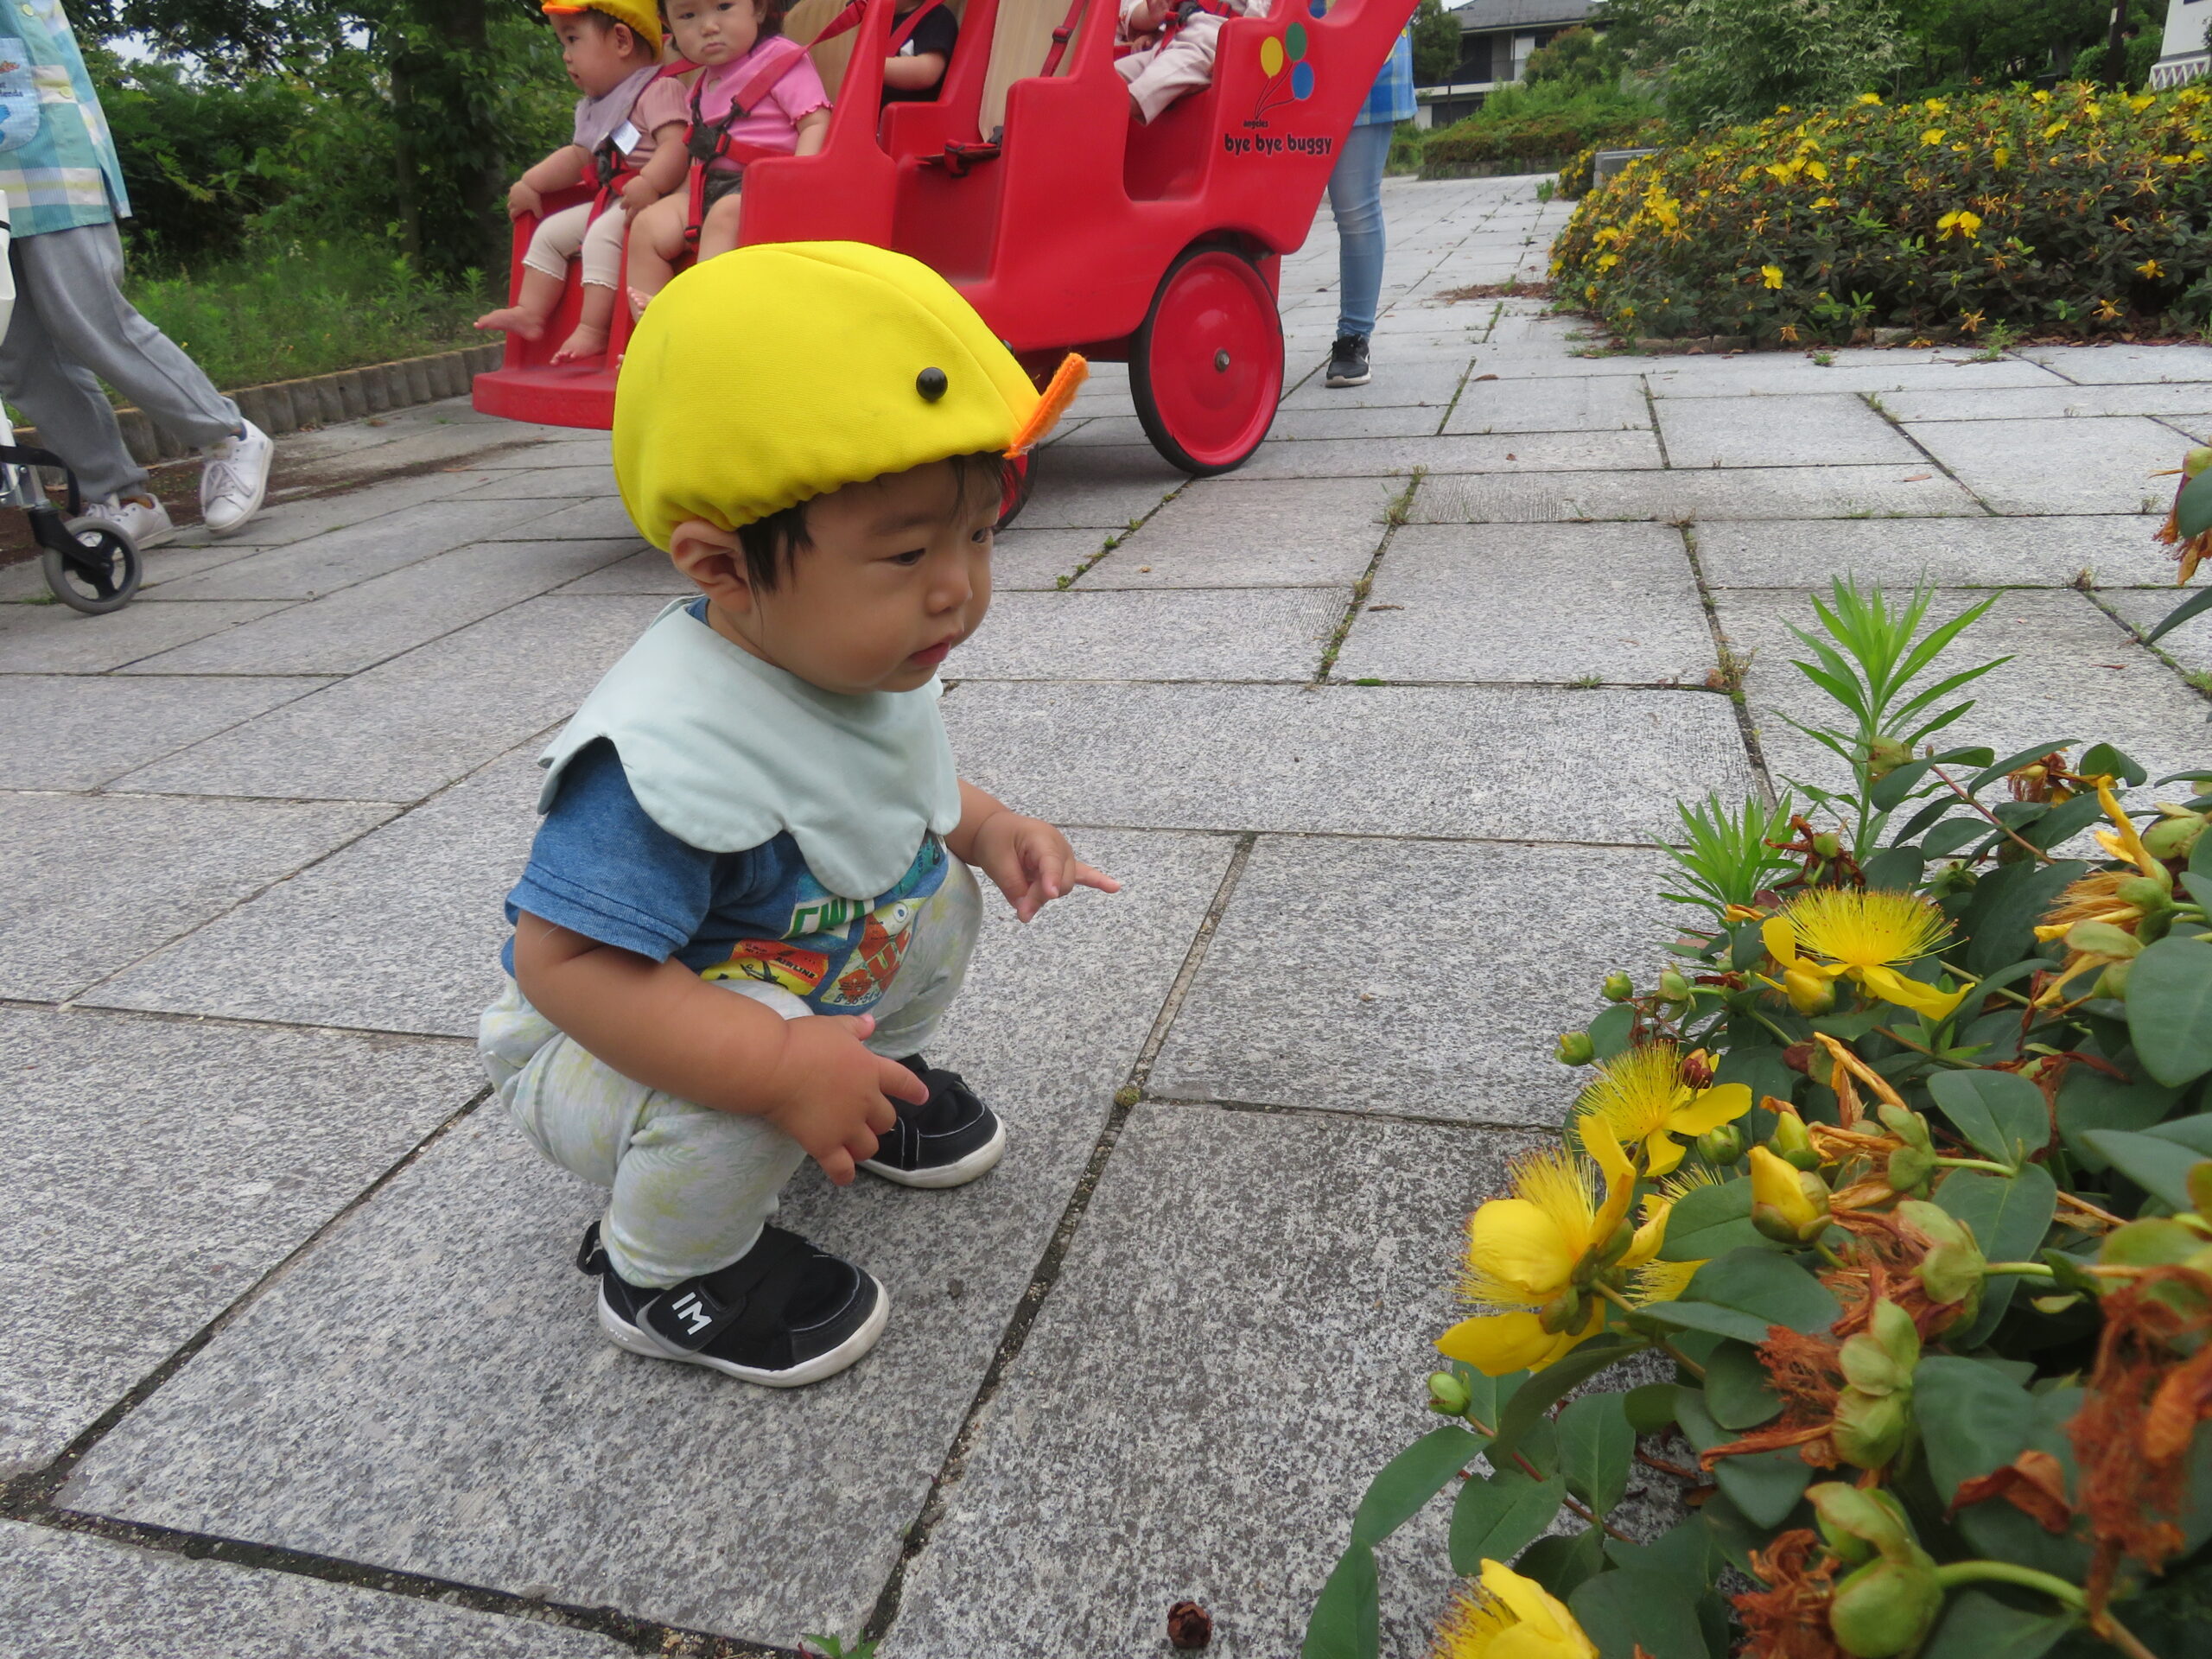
x=1286, y=51
x=1319, y=8
x=1271, y=56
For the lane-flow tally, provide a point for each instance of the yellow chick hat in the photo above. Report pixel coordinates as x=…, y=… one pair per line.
x=786, y=369
x=642, y=16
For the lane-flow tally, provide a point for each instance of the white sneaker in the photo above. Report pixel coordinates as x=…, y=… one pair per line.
x=143, y=518
x=233, y=479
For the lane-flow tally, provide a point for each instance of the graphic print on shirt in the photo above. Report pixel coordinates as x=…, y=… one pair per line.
x=840, y=953
x=19, y=111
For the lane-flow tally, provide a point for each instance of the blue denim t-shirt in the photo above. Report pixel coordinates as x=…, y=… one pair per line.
x=601, y=868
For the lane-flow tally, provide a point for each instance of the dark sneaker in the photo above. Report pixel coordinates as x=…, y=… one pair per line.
x=1348, y=361
x=783, y=1315
x=947, y=1141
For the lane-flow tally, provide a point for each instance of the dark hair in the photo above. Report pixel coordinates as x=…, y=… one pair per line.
x=607, y=25
x=773, y=544
x=770, y=12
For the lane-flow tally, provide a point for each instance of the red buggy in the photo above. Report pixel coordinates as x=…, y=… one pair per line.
x=1066, y=224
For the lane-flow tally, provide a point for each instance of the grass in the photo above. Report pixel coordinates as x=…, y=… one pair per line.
x=287, y=310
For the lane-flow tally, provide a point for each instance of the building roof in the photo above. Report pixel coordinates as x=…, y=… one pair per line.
x=1520, y=14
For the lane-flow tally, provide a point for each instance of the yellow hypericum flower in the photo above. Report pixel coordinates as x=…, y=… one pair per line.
x=1870, y=98
x=1771, y=274
x=1641, y=1097
x=2151, y=267
x=1960, y=222
x=1933, y=136
x=2139, y=105
x=1934, y=106
x=1524, y=1252
x=1864, y=936
x=1661, y=1281
x=1508, y=1616
x=1824, y=201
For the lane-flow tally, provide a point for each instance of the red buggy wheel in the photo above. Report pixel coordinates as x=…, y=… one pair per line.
x=1207, y=368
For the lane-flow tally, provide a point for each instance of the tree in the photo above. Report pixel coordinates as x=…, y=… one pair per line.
x=1718, y=61
x=1436, y=43
x=1575, y=57
x=2003, y=41
x=456, y=77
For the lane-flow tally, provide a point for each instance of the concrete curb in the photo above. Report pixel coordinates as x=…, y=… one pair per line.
x=285, y=406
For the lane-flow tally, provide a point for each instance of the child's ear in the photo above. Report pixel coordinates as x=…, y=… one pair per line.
x=713, y=560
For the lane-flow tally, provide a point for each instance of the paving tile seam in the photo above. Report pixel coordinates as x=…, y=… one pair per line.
x=642, y=1635
x=1394, y=518
x=1114, y=538
x=1421, y=838
x=174, y=1017
x=1730, y=670
x=103, y=792
x=2200, y=683
x=1345, y=1114
x=1874, y=401
x=327, y=854
x=1047, y=1271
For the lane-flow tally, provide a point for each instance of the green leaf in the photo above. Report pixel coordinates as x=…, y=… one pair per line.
x=1495, y=1519
x=1686, y=1549
x=2000, y=1112
x=1560, y=1563
x=1595, y=1447
x=1764, y=1486
x=2170, y=1008
x=2102, y=758
x=1709, y=1316
x=2009, y=1214
x=1736, y=1389
x=1609, y=1031
x=1530, y=1400
x=1759, y=1067
x=1627, y=1609
x=2088, y=1100
x=1710, y=1221
x=1651, y=1408
x=2196, y=604
x=1411, y=1478
x=1773, y=1288
x=2001, y=920
x=2194, y=1133
x=1347, y=1621
x=2149, y=1161
x=1972, y=1419
x=1486, y=1395
x=2063, y=821
x=1974, y=1625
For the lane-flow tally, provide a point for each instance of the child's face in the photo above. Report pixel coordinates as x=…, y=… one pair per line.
x=900, y=573
x=714, y=31
x=594, y=54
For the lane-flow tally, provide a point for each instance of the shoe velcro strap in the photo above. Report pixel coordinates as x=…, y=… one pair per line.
x=591, y=1255
x=750, y=1294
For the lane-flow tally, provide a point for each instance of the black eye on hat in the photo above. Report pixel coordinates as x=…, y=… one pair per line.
x=931, y=383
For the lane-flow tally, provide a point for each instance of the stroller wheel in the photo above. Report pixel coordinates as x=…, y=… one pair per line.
x=100, y=577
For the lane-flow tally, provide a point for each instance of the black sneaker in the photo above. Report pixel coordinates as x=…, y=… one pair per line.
x=1348, y=361
x=783, y=1314
x=947, y=1141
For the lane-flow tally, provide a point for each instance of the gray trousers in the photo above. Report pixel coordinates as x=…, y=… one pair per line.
x=72, y=329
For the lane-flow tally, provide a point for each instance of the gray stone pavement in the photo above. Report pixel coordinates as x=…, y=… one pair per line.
x=1376, y=730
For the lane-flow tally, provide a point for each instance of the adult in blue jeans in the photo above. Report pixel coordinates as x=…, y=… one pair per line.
x=1356, y=198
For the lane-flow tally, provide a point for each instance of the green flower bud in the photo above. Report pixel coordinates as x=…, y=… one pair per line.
x=1575, y=1048
x=1909, y=1169
x=1886, y=1608
x=1884, y=755
x=1828, y=843
x=1448, y=1394
x=1674, y=986
x=2195, y=461
x=1857, y=1523
x=2146, y=891
x=1791, y=1142
x=2174, y=837
x=1893, y=1327
x=1955, y=1267
x=2103, y=940
x=1779, y=1224
x=1618, y=987
x=1908, y=1126
x=2113, y=982
x=1869, y=1429
x=1721, y=1146
x=1563, y=1312
x=1872, y=1369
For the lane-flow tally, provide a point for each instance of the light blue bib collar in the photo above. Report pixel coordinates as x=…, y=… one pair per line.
x=725, y=751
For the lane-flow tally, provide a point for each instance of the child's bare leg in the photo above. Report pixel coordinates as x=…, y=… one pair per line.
x=719, y=234
x=533, y=307
x=656, y=244
x=588, y=337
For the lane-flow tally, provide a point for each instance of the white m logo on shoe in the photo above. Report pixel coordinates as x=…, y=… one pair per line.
x=687, y=1308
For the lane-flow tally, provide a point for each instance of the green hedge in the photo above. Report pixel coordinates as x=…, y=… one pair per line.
x=2077, y=210
x=1539, y=123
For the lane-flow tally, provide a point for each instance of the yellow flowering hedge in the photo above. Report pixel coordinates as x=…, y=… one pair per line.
x=2075, y=211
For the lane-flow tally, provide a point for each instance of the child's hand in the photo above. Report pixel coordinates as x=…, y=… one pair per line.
x=523, y=200
x=637, y=196
x=832, y=1095
x=1032, y=862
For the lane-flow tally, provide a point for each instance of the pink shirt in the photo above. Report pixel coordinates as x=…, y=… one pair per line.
x=662, y=102
x=774, y=123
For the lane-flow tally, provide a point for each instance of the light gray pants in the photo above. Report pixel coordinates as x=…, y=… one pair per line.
x=73, y=324
x=691, y=1187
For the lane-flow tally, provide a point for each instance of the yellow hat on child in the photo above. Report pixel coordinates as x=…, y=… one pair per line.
x=786, y=369
x=642, y=16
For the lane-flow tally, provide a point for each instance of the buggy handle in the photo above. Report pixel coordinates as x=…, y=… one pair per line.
x=17, y=455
